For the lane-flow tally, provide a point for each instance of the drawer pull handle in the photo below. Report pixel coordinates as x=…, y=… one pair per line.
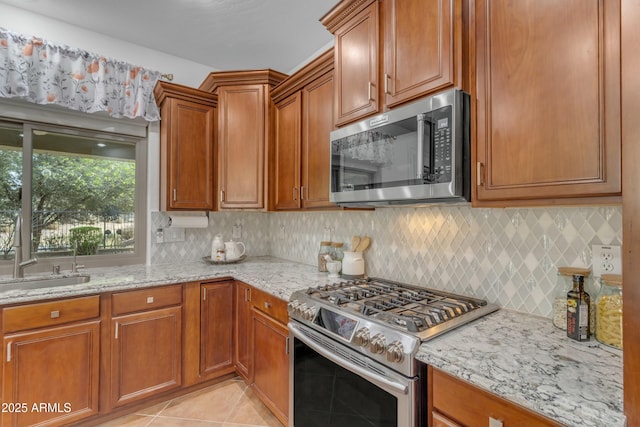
x=55, y=314
x=9, y=351
x=149, y=300
x=267, y=304
x=495, y=423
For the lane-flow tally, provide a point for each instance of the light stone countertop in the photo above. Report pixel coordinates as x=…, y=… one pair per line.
x=527, y=360
x=520, y=357
x=275, y=276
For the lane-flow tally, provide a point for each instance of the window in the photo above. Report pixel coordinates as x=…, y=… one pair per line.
x=77, y=191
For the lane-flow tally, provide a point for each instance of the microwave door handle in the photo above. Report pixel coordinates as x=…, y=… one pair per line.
x=420, y=151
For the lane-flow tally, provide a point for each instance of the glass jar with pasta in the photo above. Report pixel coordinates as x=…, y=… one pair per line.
x=565, y=278
x=609, y=311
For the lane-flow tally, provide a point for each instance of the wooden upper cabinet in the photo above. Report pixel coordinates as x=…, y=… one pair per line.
x=244, y=120
x=300, y=160
x=241, y=139
x=388, y=52
x=286, y=167
x=356, y=60
x=317, y=123
x=422, y=47
x=186, y=147
x=548, y=99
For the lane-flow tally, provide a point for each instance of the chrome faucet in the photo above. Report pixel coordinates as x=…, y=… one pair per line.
x=75, y=266
x=18, y=264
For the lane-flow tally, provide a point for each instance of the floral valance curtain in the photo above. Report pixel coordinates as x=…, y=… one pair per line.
x=43, y=73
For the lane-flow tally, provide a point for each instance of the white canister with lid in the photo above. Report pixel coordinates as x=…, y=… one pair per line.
x=217, y=248
x=352, y=265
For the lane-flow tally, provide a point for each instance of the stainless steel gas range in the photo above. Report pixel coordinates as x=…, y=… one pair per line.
x=354, y=346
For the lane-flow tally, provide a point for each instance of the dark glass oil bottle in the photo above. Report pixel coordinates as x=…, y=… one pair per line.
x=578, y=310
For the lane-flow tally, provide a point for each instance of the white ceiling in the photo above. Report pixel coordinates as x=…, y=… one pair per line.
x=222, y=34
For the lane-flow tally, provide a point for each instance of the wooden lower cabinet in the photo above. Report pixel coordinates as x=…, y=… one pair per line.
x=50, y=376
x=262, y=357
x=146, y=356
x=271, y=363
x=243, y=338
x=216, y=328
x=456, y=403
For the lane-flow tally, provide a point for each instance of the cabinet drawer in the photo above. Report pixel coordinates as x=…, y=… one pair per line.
x=146, y=299
x=471, y=406
x=269, y=304
x=51, y=313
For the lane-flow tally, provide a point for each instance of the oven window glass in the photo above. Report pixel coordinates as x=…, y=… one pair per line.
x=339, y=324
x=326, y=394
x=389, y=156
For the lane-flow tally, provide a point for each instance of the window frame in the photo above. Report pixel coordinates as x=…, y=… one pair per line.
x=101, y=127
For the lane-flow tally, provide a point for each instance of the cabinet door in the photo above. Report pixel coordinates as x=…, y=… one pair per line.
x=548, y=99
x=317, y=123
x=271, y=364
x=243, y=332
x=422, y=47
x=53, y=374
x=189, y=153
x=241, y=141
x=216, y=327
x=146, y=355
x=356, y=66
x=287, y=154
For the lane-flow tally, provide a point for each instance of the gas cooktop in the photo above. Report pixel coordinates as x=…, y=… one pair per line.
x=384, y=319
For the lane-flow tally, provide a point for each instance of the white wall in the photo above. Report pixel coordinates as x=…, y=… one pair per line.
x=185, y=72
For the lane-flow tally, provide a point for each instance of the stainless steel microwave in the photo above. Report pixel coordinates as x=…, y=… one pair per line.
x=414, y=154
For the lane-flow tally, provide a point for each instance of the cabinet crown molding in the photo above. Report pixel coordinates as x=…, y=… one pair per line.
x=217, y=79
x=165, y=90
x=342, y=11
x=307, y=74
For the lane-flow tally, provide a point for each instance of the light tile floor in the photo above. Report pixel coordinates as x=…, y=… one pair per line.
x=228, y=404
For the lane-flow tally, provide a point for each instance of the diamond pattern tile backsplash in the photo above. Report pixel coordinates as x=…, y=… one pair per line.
x=508, y=256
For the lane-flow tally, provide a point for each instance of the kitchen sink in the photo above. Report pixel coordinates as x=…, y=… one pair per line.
x=45, y=282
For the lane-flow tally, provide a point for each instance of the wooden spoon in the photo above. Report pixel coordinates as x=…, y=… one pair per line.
x=364, y=244
x=355, y=242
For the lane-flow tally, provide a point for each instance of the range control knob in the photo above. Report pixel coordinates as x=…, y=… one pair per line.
x=293, y=305
x=378, y=344
x=309, y=313
x=300, y=309
x=395, y=352
x=362, y=337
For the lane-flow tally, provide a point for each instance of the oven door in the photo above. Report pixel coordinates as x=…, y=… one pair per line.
x=331, y=385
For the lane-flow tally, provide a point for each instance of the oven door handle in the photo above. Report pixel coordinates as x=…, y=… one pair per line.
x=381, y=382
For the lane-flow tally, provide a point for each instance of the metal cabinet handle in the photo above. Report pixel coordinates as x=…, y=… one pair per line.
x=204, y=294
x=267, y=305
x=9, y=351
x=116, y=335
x=247, y=294
x=222, y=195
x=175, y=194
x=386, y=83
x=495, y=423
x=479, y=174
x=55, y=314
x=370, y=89
x=302, y=193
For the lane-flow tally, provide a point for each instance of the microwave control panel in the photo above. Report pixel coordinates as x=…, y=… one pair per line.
x=438, y=166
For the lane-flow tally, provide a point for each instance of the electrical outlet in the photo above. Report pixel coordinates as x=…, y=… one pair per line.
x=172, y=234
x=606, y=259
x=159, y=235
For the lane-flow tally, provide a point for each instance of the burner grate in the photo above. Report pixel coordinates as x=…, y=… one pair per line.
x=411, y=308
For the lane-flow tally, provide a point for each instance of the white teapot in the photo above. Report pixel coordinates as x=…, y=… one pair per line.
x=232, y=250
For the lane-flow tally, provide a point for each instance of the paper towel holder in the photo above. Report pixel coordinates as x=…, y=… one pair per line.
x=187, y=220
